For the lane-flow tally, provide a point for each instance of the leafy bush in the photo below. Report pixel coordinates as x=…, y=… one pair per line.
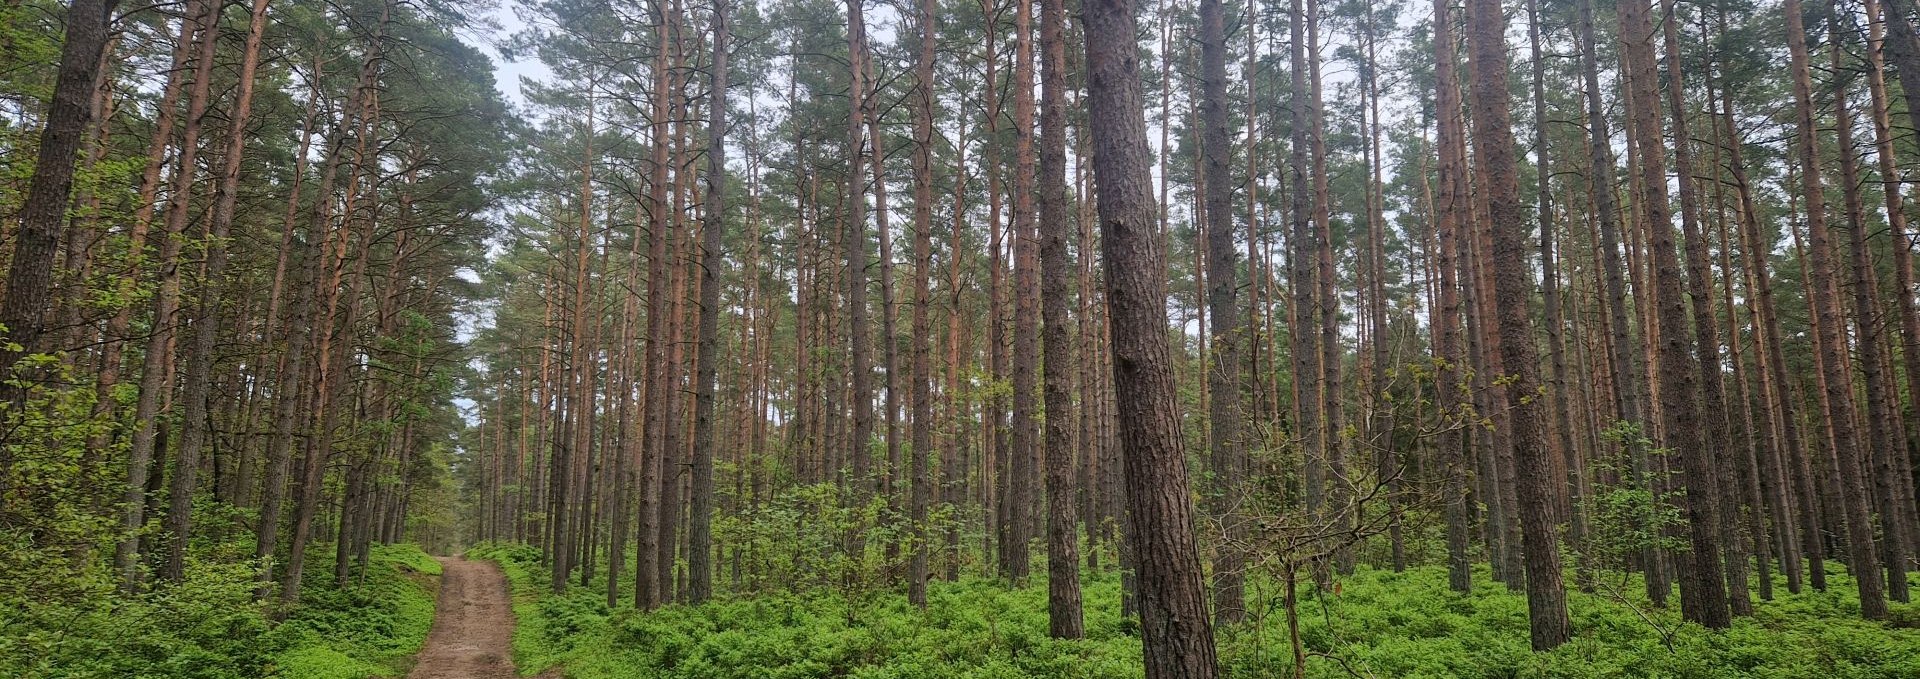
x=209, y=627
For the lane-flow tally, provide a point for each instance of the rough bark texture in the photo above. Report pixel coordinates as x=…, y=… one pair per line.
x=1493, y=147
x=855, y=243
x=157, y=360
x=1627, y=372
x=922, y=396
x=43, y=211
x=713, y=232
x=1223, y=366
x=1561, y=387
x=1175, y=631
x=1449, y=359
x=1063, y=559
x=1828, y=328
x=195, y=426
x=1880, y=417
x=1021, y=497
x=646, y=566
x=1690, y=386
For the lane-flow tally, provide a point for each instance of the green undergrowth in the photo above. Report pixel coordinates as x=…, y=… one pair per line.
x=1379, y=624
x=209, y=627
x=371, y=629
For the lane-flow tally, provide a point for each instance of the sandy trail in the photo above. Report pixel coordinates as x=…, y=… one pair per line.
x=472, y=635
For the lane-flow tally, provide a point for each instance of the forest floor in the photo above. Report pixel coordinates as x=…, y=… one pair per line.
x=472, y=634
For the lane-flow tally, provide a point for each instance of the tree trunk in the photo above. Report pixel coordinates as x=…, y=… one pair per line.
x=1223, y=365
x=921, y=443
x=1881, y=418
x=43, y=211
x=1493, y=147
x=1627, y=371
x=1448, y=357
x=1711, y=498
x=156, y=377
x=195, y=425
x=1177, y=636
x=700, y=531
x=658, y=391
x=1063, y=558
x=1828, y=329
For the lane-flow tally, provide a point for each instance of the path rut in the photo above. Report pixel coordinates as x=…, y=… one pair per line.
x=472, y=636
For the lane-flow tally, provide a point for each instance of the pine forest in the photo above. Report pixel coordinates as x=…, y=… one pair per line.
x=959, y=339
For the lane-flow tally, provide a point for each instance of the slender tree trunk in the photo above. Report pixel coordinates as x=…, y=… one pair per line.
x=1881, y=418
x=855, y=244
x=1790, y=455
x=1550, y=297
x=1063, y=558
x=43, y=211
x=1901, y=245
x=1022, y=496
x=648, y=586
x=700, y=532
x=921, y=444
x=1223, y=365
x=195, y=425
x=1828, y=328
x=1626, y=382
x=1710, y=478
x=156, y=377
x=1449, y=358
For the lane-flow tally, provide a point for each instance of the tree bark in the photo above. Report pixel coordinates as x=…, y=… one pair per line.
x=43, y=212
x=1223, y=365
x=195, y=426
x=1063, y=558
x=1827, y=326
x=156, y=377
x=1448, y=357
x=1177, y=636
x=1881, y=418
x=1493, y=146
x=713, y=232
x=921, y=443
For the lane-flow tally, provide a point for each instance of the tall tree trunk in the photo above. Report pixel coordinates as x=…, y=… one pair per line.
x=921, y=443
x=647, y=583
x=1550, y=297
x=195, y=425
x=156, y=377
x=1881, y=418
x=1627, y=371
x=1827, y=326
x=1063, y=558
x=1223, y=365
x=1902, y=254
x=1493, y=147
x=700, y=531
x=1903, y=48
x=1790, y=455
x=1022, y=495
x=43, y=211
x=855, y=244
x=1177, y=636
x=1712, y=502
x=1302, y=320
x=1448, y=355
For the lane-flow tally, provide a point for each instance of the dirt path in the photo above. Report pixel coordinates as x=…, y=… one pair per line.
x=472, y=635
